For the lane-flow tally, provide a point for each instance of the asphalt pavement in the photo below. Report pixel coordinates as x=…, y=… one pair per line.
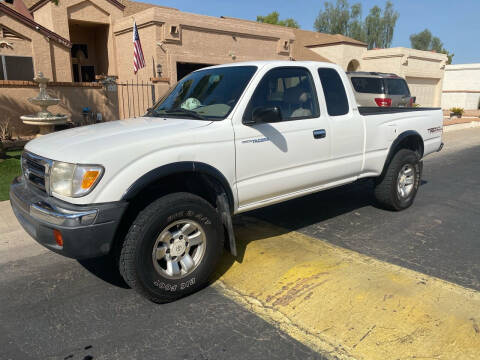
x=58, y=308
x=438, y=236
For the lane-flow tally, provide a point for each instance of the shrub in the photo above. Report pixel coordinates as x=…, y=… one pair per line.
x=5, y=130
x=457, y=111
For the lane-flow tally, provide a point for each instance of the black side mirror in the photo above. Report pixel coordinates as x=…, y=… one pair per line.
x=266, y=114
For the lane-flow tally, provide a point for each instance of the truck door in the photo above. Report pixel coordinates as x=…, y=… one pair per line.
x=285, y=156
x=346, y=125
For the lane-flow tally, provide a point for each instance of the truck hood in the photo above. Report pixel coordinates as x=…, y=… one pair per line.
x=82, y=143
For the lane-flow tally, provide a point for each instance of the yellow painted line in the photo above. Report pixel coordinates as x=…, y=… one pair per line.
x=346, y=304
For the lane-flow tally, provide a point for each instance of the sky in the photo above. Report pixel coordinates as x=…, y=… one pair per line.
x=455, y=22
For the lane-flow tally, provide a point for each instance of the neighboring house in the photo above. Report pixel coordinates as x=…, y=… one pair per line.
x=423, y=70
x=461, y=86
x=79, y=39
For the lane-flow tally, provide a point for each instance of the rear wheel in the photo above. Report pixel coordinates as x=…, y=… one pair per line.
x=397, y=188
x=172, y=247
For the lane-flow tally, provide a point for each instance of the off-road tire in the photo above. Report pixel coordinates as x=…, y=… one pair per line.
x=386, y=192
x=135, y=259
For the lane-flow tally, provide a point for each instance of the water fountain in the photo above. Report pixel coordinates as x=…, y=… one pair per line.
x=44, y=118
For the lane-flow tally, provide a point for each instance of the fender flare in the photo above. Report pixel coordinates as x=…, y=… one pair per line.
x=397, y=141
x=176, y=168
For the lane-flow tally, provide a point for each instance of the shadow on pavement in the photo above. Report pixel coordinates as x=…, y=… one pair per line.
x=288, y=216
x=106, y=269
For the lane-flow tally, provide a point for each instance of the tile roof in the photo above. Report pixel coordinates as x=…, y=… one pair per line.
x=312, y=38
x=133, y=7
x=301, y=53
x=35, y=4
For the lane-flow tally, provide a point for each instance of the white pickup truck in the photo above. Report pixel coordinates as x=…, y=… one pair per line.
x=158, y=191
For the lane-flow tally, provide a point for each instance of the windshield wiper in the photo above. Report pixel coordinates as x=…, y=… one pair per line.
x=192, y=113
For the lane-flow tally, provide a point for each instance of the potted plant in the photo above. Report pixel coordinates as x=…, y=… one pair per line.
x=456, y=112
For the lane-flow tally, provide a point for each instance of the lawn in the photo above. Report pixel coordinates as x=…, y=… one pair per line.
x=9, y=169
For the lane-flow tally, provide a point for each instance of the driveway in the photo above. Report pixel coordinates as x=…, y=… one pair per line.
x=325, y=276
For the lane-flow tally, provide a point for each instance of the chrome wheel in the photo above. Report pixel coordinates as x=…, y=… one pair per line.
x=179, y=249
x=406, y=181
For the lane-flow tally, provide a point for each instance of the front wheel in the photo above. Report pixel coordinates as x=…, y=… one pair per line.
x=397, y=188
x=172, y=247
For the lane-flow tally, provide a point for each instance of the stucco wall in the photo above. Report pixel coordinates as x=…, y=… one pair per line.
x=201, y=39
x=55, y=67
x=341, y=54
x=57, y=18
x=461, y=86
x=74, y=97
x=20, y=47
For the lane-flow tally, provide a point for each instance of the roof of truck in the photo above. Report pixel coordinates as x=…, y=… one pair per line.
x=262, y=63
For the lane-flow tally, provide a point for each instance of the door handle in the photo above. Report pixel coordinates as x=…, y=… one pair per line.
x=319, y=134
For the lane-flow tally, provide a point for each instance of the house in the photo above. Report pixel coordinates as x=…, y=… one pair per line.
x=78, y=40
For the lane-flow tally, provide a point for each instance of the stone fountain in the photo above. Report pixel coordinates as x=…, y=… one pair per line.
x=44, y=118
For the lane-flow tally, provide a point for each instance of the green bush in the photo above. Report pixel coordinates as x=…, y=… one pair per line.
x=457, y=111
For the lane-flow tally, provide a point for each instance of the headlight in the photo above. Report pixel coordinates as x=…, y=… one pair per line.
x=74, y=180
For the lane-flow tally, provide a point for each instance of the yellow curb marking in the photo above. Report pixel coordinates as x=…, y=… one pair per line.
x=346, y=304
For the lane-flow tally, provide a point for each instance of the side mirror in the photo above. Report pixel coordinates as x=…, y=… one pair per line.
x=266, y=114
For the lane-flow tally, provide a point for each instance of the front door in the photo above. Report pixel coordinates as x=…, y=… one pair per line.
x=283, y=157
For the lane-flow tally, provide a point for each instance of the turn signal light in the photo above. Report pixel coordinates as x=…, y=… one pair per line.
x=58, y=237
x=387, y=102
x=89, y=178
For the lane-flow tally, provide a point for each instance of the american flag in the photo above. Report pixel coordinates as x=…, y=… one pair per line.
x=138, y=59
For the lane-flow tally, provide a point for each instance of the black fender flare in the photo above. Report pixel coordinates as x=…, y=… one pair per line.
x=397, y=141
x=176, y=168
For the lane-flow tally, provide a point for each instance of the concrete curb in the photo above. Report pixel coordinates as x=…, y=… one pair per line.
x=454, y=127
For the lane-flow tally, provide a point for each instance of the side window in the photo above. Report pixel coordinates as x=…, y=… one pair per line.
x=290, y=89
x=334, y=91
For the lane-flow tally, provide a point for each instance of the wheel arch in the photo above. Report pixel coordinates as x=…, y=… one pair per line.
x=182, y=168
x=409, y=139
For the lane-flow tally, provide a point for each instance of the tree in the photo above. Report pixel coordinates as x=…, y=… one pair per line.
x=274, y=18
x=356, y=27
x=334, y=19
x=341, y=18
x=424, y=40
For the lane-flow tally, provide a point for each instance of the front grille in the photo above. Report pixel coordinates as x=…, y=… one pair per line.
x=36, y=170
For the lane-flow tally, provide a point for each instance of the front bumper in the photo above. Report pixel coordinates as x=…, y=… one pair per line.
x=87, y=231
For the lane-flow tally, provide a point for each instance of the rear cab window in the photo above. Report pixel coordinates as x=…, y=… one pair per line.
x=334, y=92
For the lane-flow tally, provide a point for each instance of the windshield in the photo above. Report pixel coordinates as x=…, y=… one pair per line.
x=208, y=94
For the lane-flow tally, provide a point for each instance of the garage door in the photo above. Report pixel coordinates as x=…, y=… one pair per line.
x=423, y=89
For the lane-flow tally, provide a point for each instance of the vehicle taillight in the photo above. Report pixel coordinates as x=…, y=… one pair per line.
x=387, y=102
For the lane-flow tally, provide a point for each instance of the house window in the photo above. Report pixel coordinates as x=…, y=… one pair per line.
x=88, y=73
x=16, y=68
